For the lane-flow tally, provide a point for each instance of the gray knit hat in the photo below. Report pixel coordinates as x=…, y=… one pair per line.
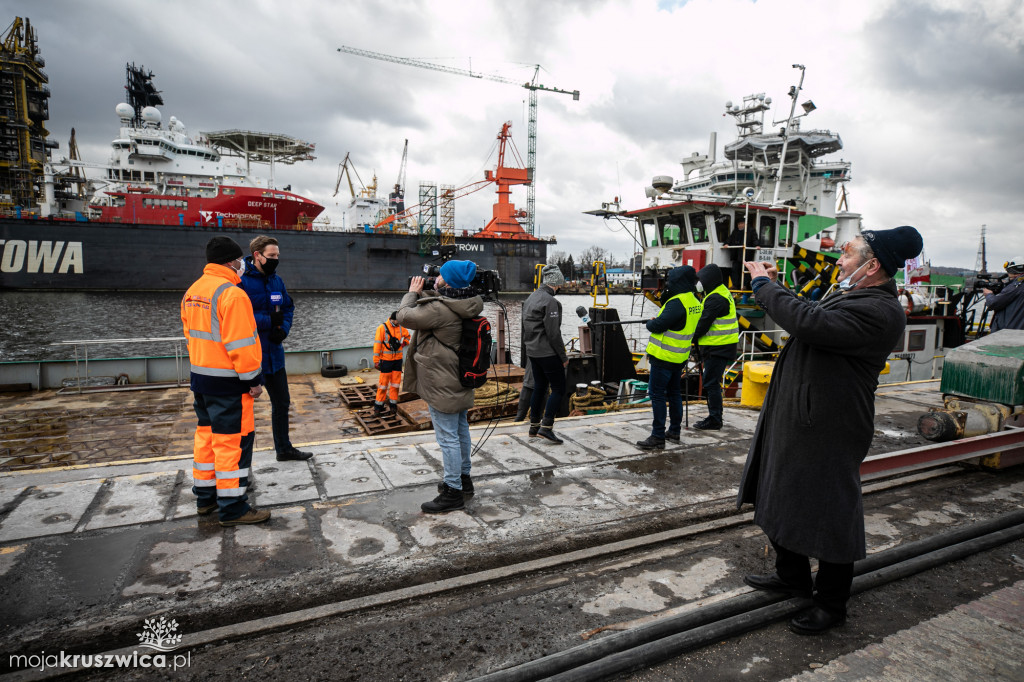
x=552, y=276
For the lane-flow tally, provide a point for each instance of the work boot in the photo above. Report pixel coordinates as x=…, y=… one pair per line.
x=249, y=517
x=293, y=454
x=534, y=428
x=392, y=408
x=708, y=424
x=546, y=431
x=674, y=437
x=467, y=486
x=378, y=410
x=450, y=499
x=206, y=509
x=651, y=443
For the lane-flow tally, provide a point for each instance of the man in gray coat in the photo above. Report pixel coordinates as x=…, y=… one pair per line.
x=544, y=350
x=432, y=371
x=803, y=469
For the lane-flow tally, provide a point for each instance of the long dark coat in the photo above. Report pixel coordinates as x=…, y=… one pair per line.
x=803, y=469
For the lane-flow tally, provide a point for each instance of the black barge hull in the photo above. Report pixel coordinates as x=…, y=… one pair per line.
x=75, y=256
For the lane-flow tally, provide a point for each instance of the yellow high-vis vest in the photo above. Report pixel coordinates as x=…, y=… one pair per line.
x=674, y=346
x=726, y=329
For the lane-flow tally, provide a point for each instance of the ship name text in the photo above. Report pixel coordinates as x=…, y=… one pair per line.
x=17, y=255
x=471, y=247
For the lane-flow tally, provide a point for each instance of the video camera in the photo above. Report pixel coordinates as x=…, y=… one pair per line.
x=993, y=283
x=486, y=284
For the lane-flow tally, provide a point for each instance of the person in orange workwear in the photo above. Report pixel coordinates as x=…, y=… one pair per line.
x=224, y=351
x=391, y=338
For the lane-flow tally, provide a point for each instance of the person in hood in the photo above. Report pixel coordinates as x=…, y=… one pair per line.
x=668, y=350
x=716, y=337
x=432, y=371
x=274, y=310
x=544, y=351
x=803, y=470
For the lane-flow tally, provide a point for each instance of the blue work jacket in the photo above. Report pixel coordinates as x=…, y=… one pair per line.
x=258, y=286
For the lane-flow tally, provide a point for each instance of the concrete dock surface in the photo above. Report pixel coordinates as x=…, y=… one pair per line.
x=92, y=549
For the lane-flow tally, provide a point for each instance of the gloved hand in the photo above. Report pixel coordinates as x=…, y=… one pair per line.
x=276, y=319
x=277, y=335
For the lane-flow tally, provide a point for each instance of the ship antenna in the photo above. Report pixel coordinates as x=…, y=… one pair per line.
x=141, y=92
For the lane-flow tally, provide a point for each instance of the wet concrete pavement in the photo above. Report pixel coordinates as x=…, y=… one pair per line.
x=91, y=551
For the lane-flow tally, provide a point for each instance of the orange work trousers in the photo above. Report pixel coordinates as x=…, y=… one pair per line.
x=222, y=456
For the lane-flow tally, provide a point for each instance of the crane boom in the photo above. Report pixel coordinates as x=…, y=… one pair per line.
x=532, y=85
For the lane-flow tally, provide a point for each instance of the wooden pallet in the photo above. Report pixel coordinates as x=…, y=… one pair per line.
x=388, y=423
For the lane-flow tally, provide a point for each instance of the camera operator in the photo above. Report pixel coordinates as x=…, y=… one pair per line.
x=432, y=371
x=1008, y=304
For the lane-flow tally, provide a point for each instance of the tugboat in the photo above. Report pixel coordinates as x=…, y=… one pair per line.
x=794, y=208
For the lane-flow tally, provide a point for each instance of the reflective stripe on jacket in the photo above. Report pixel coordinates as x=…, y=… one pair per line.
x=724, y=330
x=386, y=332
x=674, y=345
x=218, y=323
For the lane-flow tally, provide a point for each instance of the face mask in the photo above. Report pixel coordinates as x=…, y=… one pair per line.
x=847, y=284
x=269, y=266
x=241, y=268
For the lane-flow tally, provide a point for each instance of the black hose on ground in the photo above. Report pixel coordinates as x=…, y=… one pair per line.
x=670, y=636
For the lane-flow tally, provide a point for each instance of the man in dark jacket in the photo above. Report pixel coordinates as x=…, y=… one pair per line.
x=1008, y=304
x=432, y=371
x=803, y=469
x=716, y=336
x=668, y=350
x=273, y=308
x=544, y=350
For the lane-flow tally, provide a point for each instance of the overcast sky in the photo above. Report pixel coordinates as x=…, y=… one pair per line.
x=927, y=96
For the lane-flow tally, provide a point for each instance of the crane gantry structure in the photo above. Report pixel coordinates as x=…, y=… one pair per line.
x=531, y=85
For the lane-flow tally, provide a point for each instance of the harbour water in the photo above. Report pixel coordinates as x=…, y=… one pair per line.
x=32, y=322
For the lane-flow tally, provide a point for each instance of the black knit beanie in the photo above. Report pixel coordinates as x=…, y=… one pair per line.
x=222, y=250
x=893, y=247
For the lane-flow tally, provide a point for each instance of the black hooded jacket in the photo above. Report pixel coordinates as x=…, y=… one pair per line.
x=715, y=306
x=680, y=280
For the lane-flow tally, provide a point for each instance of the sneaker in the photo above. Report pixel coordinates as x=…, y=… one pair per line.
x=450, y=499
x=708, y=424
x=249, y=517
x=674, y=437
x=293, y=454
x=206, y=509
x=651, y=443
x=548, y=434
x=467, y=486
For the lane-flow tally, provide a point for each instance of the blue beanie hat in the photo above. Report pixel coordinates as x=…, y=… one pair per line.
x=458, y=273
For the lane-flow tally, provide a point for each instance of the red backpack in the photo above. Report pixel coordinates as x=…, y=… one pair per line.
x=474, y=351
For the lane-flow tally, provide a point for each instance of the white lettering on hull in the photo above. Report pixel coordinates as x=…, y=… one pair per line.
x=41, y=256
x=471, y=247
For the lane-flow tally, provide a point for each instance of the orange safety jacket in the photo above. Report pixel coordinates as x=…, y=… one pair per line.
x=386, y=332
x=223, y=344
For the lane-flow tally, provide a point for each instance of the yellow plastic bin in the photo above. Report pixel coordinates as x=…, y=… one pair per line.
x=756, y=377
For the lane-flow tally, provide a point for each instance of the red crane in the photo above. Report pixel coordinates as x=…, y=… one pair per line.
x=504, y=223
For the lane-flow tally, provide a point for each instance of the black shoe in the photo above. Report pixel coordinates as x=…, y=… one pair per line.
x=293, y=454
x=708, y=424
x=815, y=621
x=392, y=408
x=450, y=499
x=379, y=410
x=548, y=434
x=651, y=443
x=771, y=582
x=534, y=428
x=467, y=486
x=674, y=437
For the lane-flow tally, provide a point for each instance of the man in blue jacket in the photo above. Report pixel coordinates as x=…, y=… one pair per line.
x=273, y=309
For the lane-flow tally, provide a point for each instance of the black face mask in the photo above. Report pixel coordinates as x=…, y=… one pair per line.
x=269, y=266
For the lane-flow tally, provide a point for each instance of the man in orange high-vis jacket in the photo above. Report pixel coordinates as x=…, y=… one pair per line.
x=224, y=351
x=391, y=338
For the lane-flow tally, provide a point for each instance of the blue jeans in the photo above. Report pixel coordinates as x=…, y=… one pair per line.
x=452, y=432
x=280, y=399
x=666, y=378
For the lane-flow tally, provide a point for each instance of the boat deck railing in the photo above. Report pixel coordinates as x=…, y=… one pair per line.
x=123, y=379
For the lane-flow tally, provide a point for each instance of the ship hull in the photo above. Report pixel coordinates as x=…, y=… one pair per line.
x=76, y=256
